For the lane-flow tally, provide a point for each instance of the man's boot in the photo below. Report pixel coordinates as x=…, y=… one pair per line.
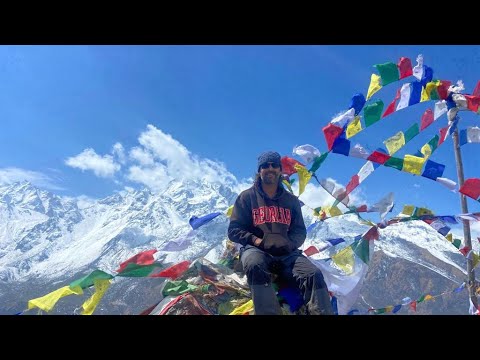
x=265, y=300
x=320, y=303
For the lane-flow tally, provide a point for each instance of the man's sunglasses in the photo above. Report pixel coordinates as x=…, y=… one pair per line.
x=267, y=165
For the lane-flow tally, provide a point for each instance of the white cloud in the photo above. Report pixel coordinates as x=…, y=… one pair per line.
x=416, y=185
x=160, y=159
x=163, y=146
x=13, y=174
x=475, y=232
x=119, y=152
x=84, y=201
x=157, y=160
x=156, y=177
x=88, y=159
x=475, y=226
x=142, y=156
x=244, y=184
x=457, y=232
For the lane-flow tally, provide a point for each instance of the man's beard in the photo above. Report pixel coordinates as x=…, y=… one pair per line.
x=269, y=180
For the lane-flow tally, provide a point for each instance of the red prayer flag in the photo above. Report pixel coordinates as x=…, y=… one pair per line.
x=442, y=89
x=471, y=188
x=465, y=250
x=476, y=92
x=331, y=132
x=391, y=107
x=443, y=135
x=174, y=271
x=354, y=181
x=143, y=258
x=172, y=302
x=310, y=251
x=371, y=234
x=288, y=165
x=405, y=67
x=473, y=102
x=378, y=157
x=413, y=305
x=427, y=119
x=362, y=208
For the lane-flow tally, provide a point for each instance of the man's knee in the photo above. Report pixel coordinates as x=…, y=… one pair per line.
x=319, y=280
x=251, y=258
x=309, y=274
x=305, y=269
x=255, y=266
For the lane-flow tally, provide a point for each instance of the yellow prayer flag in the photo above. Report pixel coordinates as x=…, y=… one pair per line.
x=476, y=260
x=354, y=127
x=242, y=309
x=304, y=177
x=426, y=150
x=332, y=211
x=389, y=308
x=374, y=85
x=395, y=143
x=413, y=164
x=288, y=185
x=89, y=306
x=344, y=260
x=367, y=222
x=428, y=297
x=423, y=211
x=47, y=302
x=229, y=211
x=408, y=210
x=449, y=237
x=427, y=91
x=425, y=96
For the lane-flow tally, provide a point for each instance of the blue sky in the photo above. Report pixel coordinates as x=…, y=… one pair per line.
x=92, y=120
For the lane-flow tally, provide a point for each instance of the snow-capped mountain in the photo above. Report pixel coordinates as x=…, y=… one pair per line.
x=47, y=241
x=43, y=235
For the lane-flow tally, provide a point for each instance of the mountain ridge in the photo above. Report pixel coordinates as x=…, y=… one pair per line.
x=47, y=239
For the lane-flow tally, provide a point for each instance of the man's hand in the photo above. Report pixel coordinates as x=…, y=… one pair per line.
x=276, y=244
x=257, y=241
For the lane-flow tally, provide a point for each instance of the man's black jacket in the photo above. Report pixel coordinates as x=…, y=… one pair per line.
x=273, y=220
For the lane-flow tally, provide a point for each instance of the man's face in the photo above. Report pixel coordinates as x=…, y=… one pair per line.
x=270, y=173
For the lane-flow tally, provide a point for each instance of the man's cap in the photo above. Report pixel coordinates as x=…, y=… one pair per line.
x=269, y=156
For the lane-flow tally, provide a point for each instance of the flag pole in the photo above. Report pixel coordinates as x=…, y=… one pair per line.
x=466, y=224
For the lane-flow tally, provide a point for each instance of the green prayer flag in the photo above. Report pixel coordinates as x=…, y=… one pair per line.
x=394, y=162
x=135, y=270
x=411, y=132
x=433, y=143
x=362, y=249
x=388, y=72
x=87, y=281
x=318, y=161
x=373, y=112
x=173, y=288
x=457, y=243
